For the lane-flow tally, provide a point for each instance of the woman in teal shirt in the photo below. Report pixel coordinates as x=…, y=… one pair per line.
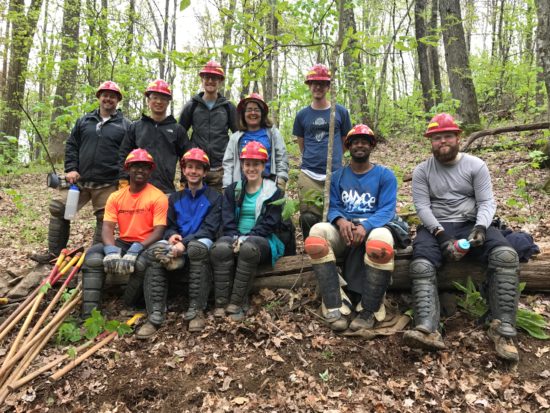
x=249, y=223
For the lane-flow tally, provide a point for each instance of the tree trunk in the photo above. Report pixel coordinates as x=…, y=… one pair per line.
x=66, y=80
x=23, y=29
x=434, y=55
x=226, y=41
x=129, y=47
x=543, y=44
x=422, y=51
x=458, y=67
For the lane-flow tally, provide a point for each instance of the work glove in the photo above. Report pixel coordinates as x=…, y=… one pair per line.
x=447, y=247
x=167, y=257
x=127, y=263
x=112, y=257
x=238, y=242
x=477, y=236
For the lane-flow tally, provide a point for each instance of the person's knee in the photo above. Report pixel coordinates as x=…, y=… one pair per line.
x=221, y=251
x=249, y=252
x=94, y=257
x=57, y=208
x=421, y=268
x=197, y=251
x=503, y=257
x=379, y=252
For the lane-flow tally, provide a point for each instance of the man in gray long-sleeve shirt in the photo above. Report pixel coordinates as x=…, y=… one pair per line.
x=453, y=196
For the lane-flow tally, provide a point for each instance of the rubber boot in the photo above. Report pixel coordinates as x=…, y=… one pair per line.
x=58, y=233
x=375, y=284
x=327, y=279
x=247, y=265
x=155, y=290
x=426, y=307
x=93, y=277
x=199, y=284
x=223, y=264
x=133, y=294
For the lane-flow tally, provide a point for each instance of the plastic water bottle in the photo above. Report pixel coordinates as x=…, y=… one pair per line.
x=72, y=202
x=462, y=246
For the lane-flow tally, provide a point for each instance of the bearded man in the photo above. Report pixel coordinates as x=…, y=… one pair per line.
x=453, y=196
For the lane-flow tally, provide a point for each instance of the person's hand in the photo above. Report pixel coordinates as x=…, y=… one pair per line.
x=177, y=249
x=72, y=177
x=447, y=246
x=112, y=258
x=174, y=239
x=359, y=234
x=127, y=264
x=281, y=184
x=238, y=242
x=346, y=231
x=477, y=236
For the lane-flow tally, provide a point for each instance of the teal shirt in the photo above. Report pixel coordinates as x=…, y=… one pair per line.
x=247, y=218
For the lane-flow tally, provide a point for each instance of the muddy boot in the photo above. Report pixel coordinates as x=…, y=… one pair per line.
x=418, y=339
x=223, y=264
x=198, y=323
x=155, y=290
x=503, y=300
x=58, y=233
x=364, y=320
x=199, y=284
x=93, y=277
x=327, y=279
x=146, y=331
x=247, y=265
x=426, y=307
x=504, y=346
x=133, y=294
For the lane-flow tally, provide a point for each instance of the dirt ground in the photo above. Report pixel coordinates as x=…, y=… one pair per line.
x=283, y=360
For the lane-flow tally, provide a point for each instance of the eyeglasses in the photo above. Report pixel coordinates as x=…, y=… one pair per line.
x=159, y=98
x=253, y=110
x=211, y=77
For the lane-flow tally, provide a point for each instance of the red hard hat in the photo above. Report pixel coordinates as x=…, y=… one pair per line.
x=318, y=72
x=442, y=122
x=254, y=150
x=212, y=68
x=138, y=155
x=158, y=86
x=359, y=130
x=111, y=86
x=253, y=97
x=195, y=154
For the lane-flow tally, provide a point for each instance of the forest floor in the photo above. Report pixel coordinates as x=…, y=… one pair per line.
x=279, y=360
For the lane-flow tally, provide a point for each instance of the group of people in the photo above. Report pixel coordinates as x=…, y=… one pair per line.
x=224, y=222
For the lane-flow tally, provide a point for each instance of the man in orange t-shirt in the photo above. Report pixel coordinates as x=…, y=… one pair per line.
x=139, y=210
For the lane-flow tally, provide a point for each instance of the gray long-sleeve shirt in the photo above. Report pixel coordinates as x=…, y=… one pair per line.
x=458, y=192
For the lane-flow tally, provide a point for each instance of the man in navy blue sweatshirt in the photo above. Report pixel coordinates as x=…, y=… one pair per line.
x=362, y=201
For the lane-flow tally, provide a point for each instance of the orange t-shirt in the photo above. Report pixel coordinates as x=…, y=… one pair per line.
x=136, y=214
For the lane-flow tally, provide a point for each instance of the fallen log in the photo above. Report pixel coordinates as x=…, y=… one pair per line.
x=513, y=128
x=296, y=271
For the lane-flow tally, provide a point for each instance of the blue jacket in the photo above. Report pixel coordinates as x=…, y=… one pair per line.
x=268, y=216
x=194, y=217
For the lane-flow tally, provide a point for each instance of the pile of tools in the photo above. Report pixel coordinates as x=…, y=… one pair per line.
x=27, y=344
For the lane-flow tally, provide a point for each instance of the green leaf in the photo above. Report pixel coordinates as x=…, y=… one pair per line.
x=184, y=4
x=71, y=351
x=44, y=289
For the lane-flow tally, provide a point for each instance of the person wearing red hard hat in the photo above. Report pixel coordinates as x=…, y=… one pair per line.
x=211, y=116
x=255, y=125
x=91, y=162
x=194, y=219
x=363, y=199
x=453, y=197
x=160, y=134
x=250, y=222
x=311, y=127
x=139, y=211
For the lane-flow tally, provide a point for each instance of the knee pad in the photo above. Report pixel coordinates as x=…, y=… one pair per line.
x=422, y=268
x=316, y=247
x=197, y=251
x=57, y=208
x=503, y=257
x=93, y=260
x=221, y=251
x=143, y=262
x=249, y=252
x=379, y=251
